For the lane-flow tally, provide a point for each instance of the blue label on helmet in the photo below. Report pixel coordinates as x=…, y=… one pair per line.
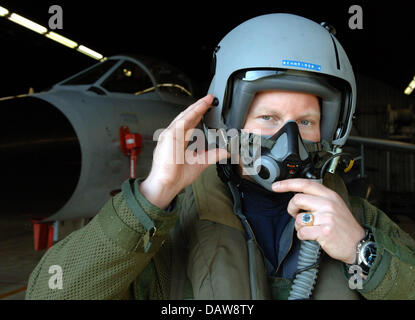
x=301, y=64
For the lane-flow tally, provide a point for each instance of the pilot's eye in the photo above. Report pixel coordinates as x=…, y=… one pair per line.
x=266, y=118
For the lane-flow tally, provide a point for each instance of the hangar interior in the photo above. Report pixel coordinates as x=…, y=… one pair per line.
x=42, y=152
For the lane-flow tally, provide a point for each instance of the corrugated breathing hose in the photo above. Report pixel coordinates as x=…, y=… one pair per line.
x=306, y=275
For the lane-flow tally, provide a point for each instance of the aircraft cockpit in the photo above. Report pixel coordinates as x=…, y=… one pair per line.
x=129, y=75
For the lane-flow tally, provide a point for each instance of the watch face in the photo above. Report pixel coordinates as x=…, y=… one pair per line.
x=369, y=253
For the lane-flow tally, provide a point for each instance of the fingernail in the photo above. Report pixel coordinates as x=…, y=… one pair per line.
x=276, y=185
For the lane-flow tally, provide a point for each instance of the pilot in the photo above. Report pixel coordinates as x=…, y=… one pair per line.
x=277, y=223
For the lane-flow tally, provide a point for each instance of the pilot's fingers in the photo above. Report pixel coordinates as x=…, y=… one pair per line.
x=193, y=114
x=206, y=157
x=305, y=186
x=185, y=122
x=307, y=202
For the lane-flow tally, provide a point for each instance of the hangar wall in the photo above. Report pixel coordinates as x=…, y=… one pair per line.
x=386, y=113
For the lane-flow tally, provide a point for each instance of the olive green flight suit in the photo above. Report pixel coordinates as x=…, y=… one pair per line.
x=199, y=251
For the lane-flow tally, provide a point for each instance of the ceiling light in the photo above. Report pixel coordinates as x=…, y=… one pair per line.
x=410, y=87
x=89, y=52
x=62, y=40
x=51, y=35
x=127, y=72
x=3, y=12
x=27, y=23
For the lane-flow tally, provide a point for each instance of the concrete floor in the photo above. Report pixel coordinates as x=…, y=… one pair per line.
x=17, y=255
x=18, y=258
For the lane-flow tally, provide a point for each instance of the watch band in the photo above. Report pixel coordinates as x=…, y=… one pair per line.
x=366, y=252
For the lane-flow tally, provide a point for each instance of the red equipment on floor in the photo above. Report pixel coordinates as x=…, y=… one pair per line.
x=42, y=234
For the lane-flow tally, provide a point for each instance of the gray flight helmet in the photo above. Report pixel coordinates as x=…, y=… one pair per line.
x=283, y=52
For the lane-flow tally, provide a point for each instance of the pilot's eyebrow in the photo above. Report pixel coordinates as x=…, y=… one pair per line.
x=261, y=109
x=311, y=114
x=267, y=109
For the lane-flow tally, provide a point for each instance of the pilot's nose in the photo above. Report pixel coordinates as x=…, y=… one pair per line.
x=277, y=129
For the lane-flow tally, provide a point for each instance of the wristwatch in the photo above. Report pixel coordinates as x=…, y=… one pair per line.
x=366, y=252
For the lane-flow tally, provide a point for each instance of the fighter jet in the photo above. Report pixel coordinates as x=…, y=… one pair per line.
x=63, y=151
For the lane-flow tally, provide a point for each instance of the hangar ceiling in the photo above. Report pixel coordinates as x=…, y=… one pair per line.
x=185, y=35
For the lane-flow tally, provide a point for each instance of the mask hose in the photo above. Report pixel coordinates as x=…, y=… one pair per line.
x=307, y=270
x=306, y=275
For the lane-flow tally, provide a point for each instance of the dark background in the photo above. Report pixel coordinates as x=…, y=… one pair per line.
x=184, y=34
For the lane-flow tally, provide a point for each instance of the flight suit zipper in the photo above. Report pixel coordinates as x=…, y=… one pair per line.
x=286, y=254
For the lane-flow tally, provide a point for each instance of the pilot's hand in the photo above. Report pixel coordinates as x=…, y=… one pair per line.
x=334, y=226
x=171, y=171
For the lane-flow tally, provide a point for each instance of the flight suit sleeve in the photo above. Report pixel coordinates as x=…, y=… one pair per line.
x=104, y=258
x=393, y=274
